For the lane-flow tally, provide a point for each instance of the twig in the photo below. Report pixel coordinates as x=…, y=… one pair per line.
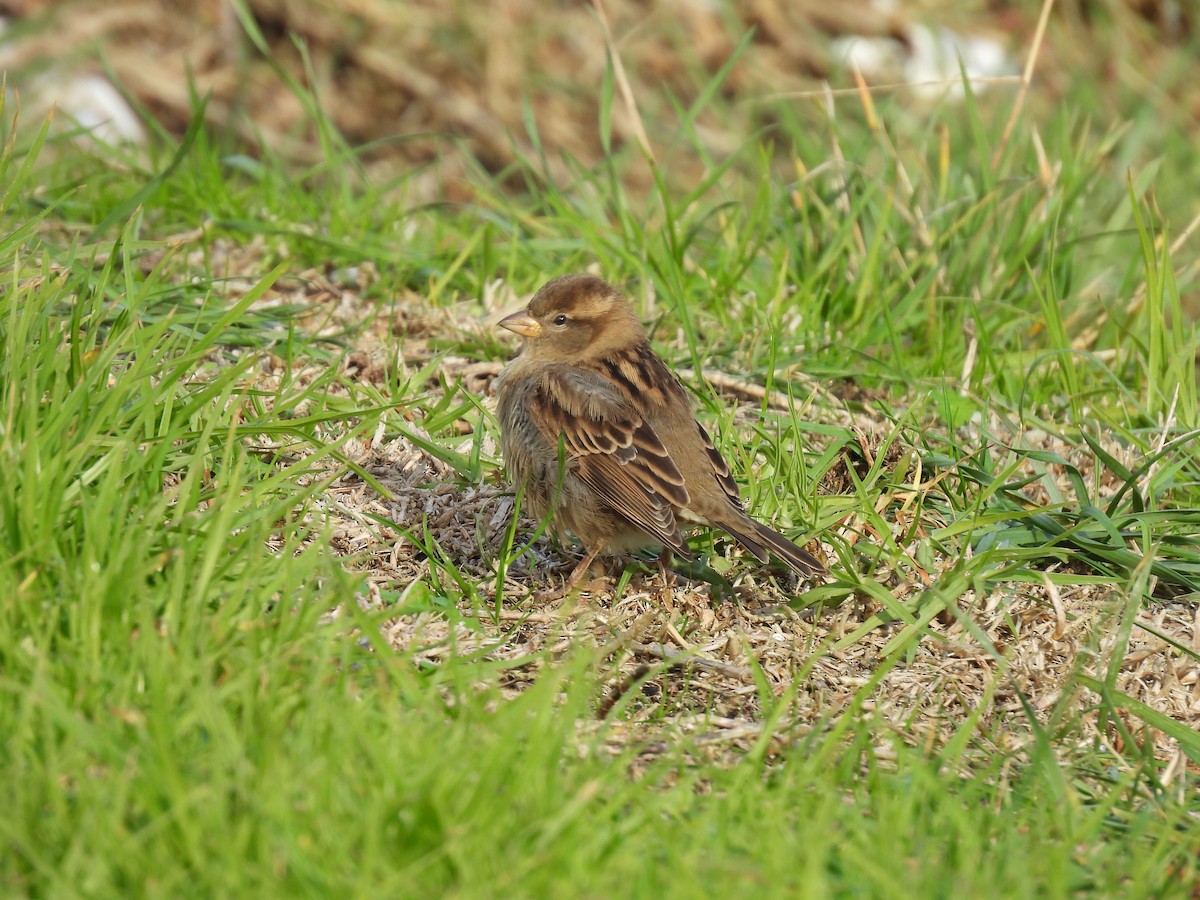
x=1060, y=611
x=639, y=130
x=680, y=658
x=1026, y=80
x=606, y=705
x=751, y=390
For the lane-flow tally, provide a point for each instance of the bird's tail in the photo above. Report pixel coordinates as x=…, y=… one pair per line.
x=759, y=539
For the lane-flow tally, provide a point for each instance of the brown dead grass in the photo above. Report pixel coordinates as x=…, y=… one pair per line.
x=1044, y=634
x=683, y=662
x=469, y=71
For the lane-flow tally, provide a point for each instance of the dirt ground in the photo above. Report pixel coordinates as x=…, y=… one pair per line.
x=683, y=661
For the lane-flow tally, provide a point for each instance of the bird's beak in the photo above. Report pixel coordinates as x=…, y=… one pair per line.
x=522, y=323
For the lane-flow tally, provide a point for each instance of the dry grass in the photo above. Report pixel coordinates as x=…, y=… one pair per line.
x=685, y=660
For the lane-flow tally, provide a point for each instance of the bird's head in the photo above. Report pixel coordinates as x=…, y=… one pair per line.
x=576, y=317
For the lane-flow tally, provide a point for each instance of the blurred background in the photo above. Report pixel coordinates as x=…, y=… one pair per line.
x=415, y=83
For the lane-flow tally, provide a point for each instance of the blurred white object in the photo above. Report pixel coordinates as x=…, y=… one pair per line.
x=935, y=57
x=930, y=61
x=84, y=99
x=96, y=105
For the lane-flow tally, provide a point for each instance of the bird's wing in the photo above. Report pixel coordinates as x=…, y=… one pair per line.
x=618, y=453
x=720, y=469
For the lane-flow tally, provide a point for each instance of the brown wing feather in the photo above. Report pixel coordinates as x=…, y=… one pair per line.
x=618, y=453
x=641, y=375
x=720, y=469
x=633, y=500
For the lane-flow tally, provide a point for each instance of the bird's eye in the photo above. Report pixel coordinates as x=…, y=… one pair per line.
x=560, y=319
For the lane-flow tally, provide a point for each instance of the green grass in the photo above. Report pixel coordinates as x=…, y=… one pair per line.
x=182, y=716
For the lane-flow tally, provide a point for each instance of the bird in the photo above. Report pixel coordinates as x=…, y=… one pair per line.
x=599, y=433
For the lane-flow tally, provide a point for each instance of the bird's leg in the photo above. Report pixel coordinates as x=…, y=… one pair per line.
x=576, y=576
x=581, y=570
x=664, y=565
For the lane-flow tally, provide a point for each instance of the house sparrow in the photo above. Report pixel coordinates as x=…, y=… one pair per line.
x=599, y=431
